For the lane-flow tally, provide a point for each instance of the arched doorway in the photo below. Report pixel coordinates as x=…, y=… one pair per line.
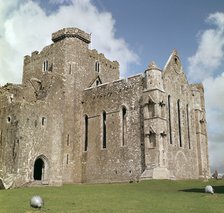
x=38, y=169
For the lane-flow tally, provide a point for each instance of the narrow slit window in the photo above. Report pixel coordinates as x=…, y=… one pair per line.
x=68, y=140
x=170, y=124
x=179, y=122
x=45, y=65
x=104, y=120
x=0, y=137
x=124, y=126
x=67, y=158
x=97, y=67
x=70, y=69
x=8, y=119
x=188, y=127
x=86, y=134
x=43, y=121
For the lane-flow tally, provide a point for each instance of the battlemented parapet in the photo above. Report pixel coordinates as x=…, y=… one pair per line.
x=71, y=33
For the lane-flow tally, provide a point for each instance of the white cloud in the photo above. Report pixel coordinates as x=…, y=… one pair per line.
x=27, y=27
x=214, y=93
x=204, y=66
x=210, y=52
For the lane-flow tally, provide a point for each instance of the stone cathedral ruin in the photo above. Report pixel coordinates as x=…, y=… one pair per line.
x=72, y=120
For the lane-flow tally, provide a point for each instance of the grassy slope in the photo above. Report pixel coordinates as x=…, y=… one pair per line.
x=147, y=196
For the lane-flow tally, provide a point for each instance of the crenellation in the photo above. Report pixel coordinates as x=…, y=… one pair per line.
x=71, y=33
x=102, y=59
x=73, y=120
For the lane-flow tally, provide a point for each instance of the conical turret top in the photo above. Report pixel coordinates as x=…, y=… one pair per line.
x=152, y=66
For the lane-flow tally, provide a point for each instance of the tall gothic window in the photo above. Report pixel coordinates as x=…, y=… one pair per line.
x=179, y=122
x=170, y=125
x=86, y=133
x=104, y=138
x=124, y=126
x=188, y=127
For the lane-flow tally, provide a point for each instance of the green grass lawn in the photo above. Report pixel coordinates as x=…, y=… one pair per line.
x=146, y=196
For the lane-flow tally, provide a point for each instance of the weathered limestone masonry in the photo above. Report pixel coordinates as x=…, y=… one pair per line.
x=72, y=120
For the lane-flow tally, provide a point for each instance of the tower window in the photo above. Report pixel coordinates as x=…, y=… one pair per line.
x=97, y=67
x=8, y=119
x=45, y=65
x=43, y=121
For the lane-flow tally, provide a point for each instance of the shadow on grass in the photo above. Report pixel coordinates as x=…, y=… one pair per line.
x=217, y=190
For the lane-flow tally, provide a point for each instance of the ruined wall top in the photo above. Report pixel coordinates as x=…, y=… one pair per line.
x=71, y=32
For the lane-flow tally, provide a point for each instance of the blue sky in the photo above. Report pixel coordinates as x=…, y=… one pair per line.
x=153, y=28
x=134, y=32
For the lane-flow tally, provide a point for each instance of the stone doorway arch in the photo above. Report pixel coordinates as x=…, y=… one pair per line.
x=39, y=168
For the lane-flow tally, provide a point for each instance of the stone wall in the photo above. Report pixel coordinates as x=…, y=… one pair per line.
x=120, y=160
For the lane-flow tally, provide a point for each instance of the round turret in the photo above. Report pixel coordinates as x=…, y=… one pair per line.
x=153, y=77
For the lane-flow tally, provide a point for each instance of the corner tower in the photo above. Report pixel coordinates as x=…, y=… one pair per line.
x=155, y=126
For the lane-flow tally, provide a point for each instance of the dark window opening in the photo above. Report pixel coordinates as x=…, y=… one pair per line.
x=70, y=69
x=97, y=83
x=104, y=131
x=188, y=127
x=86, y=133
x=38, y=169
x=176, y=60
x=45, y=65
x=170, y=124
x=97, y=67
x=67, y=159
x=124, y=126
x=43, y=122
x=9, y=119
x=179, y=122
x=1, y=137
x=68, y=140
